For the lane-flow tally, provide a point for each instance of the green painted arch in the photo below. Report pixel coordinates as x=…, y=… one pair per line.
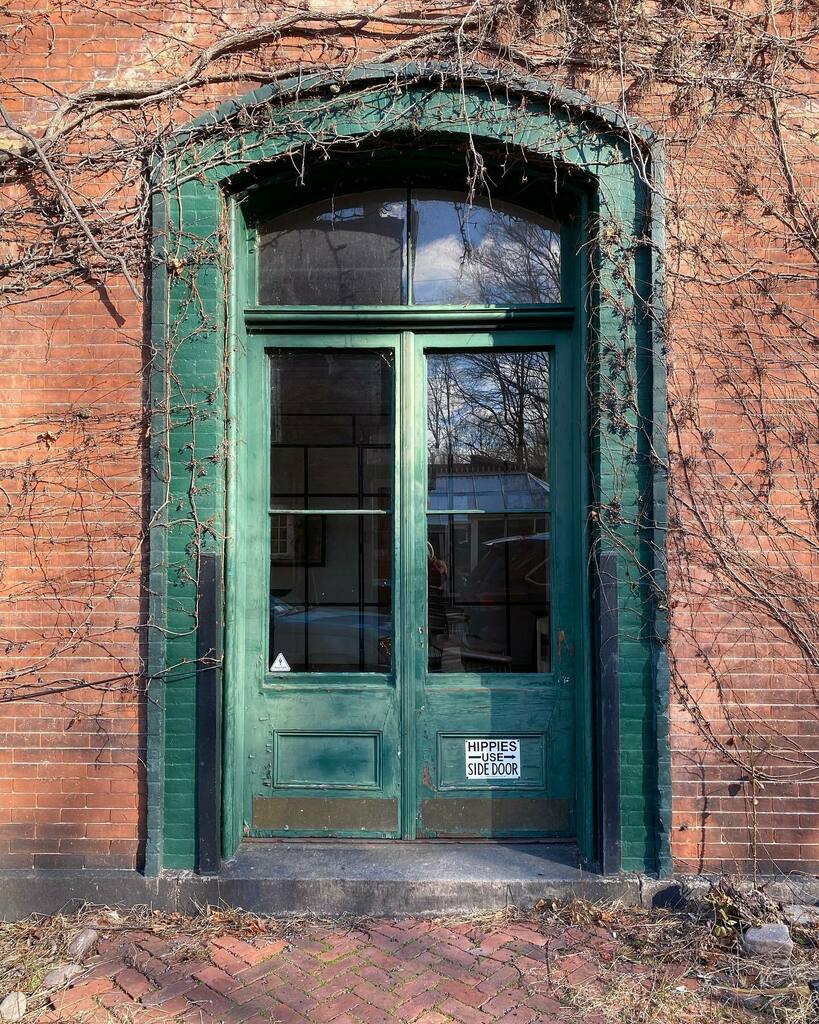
x=197, y=184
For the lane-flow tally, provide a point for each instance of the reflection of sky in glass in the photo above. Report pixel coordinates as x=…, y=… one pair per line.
x=467, y=255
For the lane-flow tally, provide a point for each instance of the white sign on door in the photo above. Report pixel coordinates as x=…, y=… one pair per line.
x=492, y=759
x=280, y=664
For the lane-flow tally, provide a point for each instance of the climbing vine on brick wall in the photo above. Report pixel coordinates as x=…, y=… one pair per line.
x=730, y=92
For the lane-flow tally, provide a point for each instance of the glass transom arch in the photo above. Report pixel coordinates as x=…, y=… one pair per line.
x=416, y=247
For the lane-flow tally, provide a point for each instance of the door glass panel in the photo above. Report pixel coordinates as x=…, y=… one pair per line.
x=481, y=254
x=331, y=449
x=349, y=250
x=330, y=592
x=331, y=429
x=488, y=512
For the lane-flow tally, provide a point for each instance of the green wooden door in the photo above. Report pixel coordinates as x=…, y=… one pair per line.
x=493, y=522
x=322, y=721
x=408, y=511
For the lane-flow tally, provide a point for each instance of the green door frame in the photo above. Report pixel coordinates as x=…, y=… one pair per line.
x=199, y=183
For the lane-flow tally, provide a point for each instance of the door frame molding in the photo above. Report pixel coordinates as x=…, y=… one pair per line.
x=199, y=184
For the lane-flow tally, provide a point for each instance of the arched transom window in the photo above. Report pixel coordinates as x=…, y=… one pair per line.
x=409, y=247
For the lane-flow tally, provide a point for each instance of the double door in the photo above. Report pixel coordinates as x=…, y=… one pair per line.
x=410, y=576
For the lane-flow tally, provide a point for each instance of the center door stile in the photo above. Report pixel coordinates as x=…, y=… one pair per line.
x=412, y=582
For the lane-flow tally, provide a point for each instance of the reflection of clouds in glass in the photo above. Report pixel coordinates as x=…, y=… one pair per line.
x=353, y=213
x=438, y=263
x=477, y=254
x=350, y=213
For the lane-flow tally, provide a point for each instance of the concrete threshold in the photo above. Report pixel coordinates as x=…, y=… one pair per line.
x=336, y=878
x=387, y=879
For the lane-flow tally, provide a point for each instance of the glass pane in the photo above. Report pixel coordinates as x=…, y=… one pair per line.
x=331, y=447
x=480, y=254
x=489, y=595
x=331, y=429
x=488, y=431
x=488, y=558
x=349, y=250
x=331, y=592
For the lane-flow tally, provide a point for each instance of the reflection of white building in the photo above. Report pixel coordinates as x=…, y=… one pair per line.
x=504, y=505
x=487, y=491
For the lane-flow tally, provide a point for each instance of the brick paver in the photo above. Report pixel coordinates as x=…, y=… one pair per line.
x=406, y=972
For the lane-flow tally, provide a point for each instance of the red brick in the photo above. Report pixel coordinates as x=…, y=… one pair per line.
x=82, y=993
x=377, y=996
x=465, y=1014
x=134, y=983
x=414, y=1007
x=216, y=979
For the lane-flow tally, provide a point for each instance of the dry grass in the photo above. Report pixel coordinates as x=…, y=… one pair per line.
x=32, y=947
x=663, y=967
x=681, y=967
x=625, y=1000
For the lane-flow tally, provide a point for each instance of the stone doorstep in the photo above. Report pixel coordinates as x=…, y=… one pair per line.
x=361, y=878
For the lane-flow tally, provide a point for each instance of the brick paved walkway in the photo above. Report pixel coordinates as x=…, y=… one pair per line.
x=404, y=971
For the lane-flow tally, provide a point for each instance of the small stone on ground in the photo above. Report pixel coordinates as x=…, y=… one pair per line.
x=13, y=1007
x=768, y=940
x=59, y=976
x=801, y=914
x=83, y=943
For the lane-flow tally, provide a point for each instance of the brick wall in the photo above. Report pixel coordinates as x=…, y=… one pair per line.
x=74, y=598
x=71, y=785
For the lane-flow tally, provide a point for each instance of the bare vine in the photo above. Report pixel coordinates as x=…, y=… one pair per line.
x=730, y=91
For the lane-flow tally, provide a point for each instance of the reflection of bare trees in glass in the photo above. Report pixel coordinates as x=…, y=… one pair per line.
x=484, y=255
x=515, y=262
x=351, y=249
x=489, y=409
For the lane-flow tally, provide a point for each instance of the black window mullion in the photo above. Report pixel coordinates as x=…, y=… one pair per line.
x=409, y=248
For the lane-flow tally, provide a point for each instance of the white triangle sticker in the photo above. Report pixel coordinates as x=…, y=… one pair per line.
x=280, y=664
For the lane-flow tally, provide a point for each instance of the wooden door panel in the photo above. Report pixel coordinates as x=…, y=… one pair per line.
x=322, y=726
x=324, y=764
x=536, y=803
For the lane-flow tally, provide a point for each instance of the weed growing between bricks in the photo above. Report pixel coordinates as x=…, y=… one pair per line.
x=560, y=963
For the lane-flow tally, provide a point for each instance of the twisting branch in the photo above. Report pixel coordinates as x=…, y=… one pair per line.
x=68, y=201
